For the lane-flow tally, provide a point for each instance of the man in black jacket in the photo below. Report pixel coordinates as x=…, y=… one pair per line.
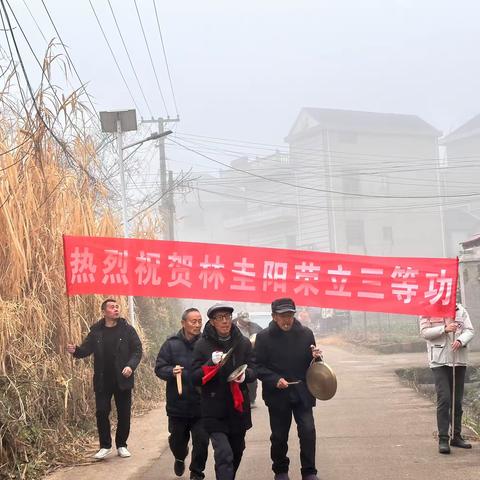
x=117, y=351
x=225, y=403
x=283, y=353
x=183, y=410
x=249, y=329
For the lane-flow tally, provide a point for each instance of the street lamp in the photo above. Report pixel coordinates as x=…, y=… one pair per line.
x=119, y=122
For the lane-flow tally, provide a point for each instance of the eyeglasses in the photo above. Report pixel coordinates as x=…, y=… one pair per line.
x=223, y=316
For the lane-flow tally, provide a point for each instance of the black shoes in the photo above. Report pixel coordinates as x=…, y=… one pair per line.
x=459, y=442
x=443, y=445
x=179, y=467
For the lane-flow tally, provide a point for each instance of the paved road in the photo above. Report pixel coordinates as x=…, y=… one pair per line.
x=374, y=428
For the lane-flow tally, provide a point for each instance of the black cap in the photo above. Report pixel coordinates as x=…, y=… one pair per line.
x=282, y=305
x=219, y=306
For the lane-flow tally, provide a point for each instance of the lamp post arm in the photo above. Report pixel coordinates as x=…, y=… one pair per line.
x=153, y=136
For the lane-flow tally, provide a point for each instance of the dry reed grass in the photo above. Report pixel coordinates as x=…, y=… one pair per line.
x=48, y=188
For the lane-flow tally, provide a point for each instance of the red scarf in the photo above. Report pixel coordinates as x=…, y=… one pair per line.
x=209, y=371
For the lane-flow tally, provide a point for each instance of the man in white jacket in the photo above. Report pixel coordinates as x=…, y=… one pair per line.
x=447, y=342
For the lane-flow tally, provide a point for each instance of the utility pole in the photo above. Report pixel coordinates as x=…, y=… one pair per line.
x=167, y=201
x=119, y=122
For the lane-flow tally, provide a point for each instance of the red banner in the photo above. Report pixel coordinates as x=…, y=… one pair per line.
x=158, y=268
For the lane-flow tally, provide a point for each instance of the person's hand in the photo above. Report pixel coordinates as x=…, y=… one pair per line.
x=71, y=348
x=282, y=383
x=126, y=372
x=456, y=345
x=240, y=378
x=217, y=357
x=177, y=369
x=316, y=352
x=451, y=327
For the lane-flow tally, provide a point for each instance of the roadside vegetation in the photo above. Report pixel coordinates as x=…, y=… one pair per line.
x=52, y=182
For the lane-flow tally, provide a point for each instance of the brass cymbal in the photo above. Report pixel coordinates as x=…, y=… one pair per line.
x=237, y=372
x=321, y=381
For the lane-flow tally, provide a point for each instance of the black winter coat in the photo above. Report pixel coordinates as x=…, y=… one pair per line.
x=128, y=353
x=287, y=355
x=177, y=350
x=218, y=412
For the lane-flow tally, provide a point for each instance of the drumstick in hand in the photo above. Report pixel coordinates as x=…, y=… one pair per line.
x=179, y=380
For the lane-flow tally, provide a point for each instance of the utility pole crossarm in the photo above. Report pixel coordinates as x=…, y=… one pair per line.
x=166, y=205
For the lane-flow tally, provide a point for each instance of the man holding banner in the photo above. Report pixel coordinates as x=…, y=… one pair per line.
x=174, y=364
x=447, y=342
x=117, y=351
x=222, y=365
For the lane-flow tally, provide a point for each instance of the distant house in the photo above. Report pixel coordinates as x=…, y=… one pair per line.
x=367, y=181
x=469, y=279
x=460, y=176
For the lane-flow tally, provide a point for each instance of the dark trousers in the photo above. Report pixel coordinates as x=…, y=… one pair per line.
x=252, y=391
x=227, y=451
x=180, y=429
x=280, y=421
x=444, y=388
x=103, y=404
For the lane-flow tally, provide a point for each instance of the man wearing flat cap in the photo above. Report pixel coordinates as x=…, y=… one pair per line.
x=283, y=352
x=222, y=365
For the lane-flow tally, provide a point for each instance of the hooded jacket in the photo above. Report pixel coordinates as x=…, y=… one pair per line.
x=218, y=412
x=439, y=342
x=279, y=354
x=128, y=353
x=177, y=350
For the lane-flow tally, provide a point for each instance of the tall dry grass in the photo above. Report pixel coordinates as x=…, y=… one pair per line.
x=50, y=185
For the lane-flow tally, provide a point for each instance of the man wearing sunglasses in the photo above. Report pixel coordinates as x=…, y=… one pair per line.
x=222, y=365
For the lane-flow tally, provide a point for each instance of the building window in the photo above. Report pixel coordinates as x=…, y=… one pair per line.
x=355, y=232
x=387, y=234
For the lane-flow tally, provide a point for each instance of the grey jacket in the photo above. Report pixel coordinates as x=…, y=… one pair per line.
x=439, y=342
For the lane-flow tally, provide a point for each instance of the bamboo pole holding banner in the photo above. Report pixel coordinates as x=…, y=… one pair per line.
x=69, y=326
x=454, y=353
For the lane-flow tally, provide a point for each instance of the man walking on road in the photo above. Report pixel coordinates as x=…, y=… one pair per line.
x=447, y=342
x=174, y=361
x=117, y=351
x=249, y=329
x=283, y=352
x=222, y=365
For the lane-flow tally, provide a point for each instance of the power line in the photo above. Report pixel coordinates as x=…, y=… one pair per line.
x=304, y=187
x=315, y=207
x=129, y=58
x=165, y=56
x=35, y=20
x=151, y=59
x=24, y=101
x=41, y=67
x=299, y=170
x=274, y=147
x=30, y=89
x=369, y=168
x=16, y=146
x=66, y=52
x=113, y=55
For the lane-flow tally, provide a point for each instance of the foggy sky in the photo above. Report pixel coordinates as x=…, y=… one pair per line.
x=243, y=70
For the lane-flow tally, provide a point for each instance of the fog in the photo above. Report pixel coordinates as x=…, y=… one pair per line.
x=243, y=74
